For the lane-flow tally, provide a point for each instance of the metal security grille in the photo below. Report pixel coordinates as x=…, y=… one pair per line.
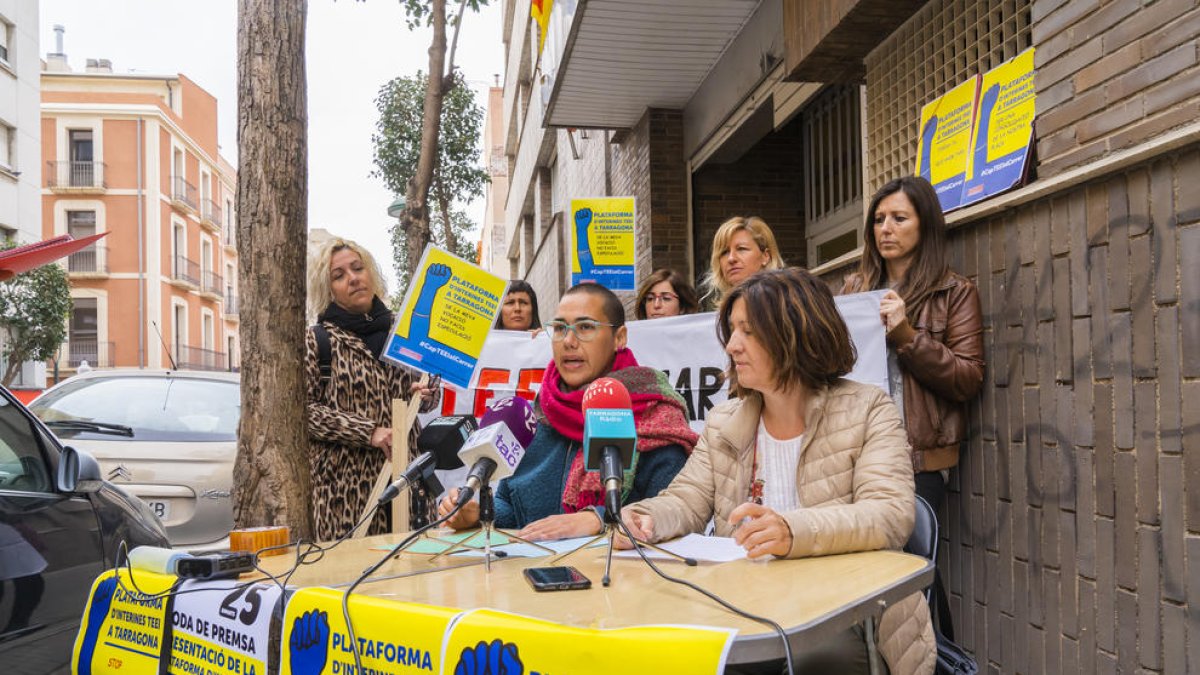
x=833, y=151
x=942, y=45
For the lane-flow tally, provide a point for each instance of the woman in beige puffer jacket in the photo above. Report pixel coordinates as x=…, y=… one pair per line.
x=853, y=483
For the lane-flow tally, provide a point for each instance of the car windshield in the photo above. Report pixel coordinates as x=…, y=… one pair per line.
x=152, y=408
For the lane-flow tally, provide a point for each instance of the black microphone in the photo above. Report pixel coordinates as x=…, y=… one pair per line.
x=420, y=469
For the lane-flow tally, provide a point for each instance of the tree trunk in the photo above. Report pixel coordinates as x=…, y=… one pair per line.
x=416, y=214
x=271, y=474
x=447, y=226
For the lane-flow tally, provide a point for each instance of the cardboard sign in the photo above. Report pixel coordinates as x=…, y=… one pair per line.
x=445, y=318
x=1003, y=136
x=945, y=141
x=221, y=628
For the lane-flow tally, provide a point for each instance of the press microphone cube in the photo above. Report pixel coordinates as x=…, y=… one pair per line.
x=497, y=443
x=609, y=427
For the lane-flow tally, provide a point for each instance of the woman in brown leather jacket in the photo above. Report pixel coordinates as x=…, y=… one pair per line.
x=934, y=325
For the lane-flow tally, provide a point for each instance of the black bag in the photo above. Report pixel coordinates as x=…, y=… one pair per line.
x=951, y=659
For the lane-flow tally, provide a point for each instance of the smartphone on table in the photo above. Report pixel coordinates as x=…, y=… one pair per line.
x=564, y=578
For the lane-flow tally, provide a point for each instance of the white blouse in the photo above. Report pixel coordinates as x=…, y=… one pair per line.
x=778, y=461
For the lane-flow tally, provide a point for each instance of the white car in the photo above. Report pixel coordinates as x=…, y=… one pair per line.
x=169, y=437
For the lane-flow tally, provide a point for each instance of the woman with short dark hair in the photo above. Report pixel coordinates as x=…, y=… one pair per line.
x=800, y=461
x=934, y=325
x=665, y=293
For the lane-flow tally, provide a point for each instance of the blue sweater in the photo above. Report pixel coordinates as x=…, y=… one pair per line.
x=535, y=490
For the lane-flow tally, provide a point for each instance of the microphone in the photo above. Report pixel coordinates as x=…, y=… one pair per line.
x=609, y=436
x=440, y=439
x=495, y=450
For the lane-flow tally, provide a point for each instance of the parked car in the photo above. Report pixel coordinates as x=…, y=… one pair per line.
x=61, y=525
x=169, y=437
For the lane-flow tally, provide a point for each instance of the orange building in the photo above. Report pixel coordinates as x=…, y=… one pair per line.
x=136, y=156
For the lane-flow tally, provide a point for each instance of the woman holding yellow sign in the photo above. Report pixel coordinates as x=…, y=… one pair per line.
x=350, y=390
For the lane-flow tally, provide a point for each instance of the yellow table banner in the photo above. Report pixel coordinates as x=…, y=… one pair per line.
x=123, y=624
x=487, y=642
x=392, y=637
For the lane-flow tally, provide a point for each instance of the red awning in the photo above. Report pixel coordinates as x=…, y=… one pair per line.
x=24, y=258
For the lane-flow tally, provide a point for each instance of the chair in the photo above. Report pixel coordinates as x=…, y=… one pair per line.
x=924, y=539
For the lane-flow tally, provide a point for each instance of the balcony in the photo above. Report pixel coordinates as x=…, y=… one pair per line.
x=91, y=261
x=198, y=358
x=97, y=354
x=186, y=271
x=76, y=177
x=230, y=309
x=183, y=195
x=210, y=215
x=211, y=283
x=604, y=62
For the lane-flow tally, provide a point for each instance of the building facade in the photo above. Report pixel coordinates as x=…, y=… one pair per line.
x=492, y=254
x=20, y=138
x=1071, y=528
x=136, y=156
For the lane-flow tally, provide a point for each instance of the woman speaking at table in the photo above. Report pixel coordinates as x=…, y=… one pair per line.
x=800, y=461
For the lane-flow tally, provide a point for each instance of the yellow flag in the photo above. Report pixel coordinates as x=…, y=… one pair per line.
x=540, y=11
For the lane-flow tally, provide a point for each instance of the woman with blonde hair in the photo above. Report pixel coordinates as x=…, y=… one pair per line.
x=350, y=390
x=742, y=246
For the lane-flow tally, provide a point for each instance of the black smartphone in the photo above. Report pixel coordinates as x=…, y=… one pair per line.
x=564, y=578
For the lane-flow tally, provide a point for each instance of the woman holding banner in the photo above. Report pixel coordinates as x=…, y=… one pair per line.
x=741, y=247
x=799, y=461
x=350, y=390
x=934, y=325
x=665, y=293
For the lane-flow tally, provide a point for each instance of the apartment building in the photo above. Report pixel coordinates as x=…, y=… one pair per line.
x=1072, y=521
x=20, y=136
x=136, y=156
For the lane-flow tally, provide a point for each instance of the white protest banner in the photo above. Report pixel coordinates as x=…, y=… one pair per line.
x=221, y=628
x=686, y=348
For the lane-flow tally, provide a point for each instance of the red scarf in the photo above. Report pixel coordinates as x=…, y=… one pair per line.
x=658, y=412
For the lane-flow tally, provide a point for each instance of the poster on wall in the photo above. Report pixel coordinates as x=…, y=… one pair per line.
x=946, y=140
x=444, y=320
x=1003, y=137
x=602, y=242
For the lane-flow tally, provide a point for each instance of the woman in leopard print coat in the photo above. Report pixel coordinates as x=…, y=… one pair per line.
x=350, y=416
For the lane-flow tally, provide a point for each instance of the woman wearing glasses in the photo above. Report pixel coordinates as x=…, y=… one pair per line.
x=665, y=293
x=550, y=496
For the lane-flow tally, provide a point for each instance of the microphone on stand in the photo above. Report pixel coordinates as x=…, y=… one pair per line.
x=440, y=440
x=497, y=447
x=609, y=438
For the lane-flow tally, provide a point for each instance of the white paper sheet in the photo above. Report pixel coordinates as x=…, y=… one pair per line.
x=698, y=546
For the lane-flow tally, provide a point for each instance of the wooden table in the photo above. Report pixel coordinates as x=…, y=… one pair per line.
x=812, y=598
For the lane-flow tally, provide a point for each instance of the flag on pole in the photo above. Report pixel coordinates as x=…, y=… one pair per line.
x=540, y=11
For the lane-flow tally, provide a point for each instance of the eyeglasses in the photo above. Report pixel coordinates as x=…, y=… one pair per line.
x=584, y=329
x=652, y=298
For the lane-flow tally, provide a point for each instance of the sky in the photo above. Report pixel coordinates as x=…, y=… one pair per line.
x=353, y=49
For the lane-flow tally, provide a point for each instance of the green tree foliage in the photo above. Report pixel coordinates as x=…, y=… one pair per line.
x=458, y=174
x=34, y=307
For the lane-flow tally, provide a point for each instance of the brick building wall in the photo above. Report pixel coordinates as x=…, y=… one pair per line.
x=1070, y=522
x=1111, y=75
x=767, y=182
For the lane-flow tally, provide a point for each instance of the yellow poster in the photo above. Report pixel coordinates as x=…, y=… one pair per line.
x=483, y=638
x=392, y=637
x=123, y=623
x=603, y=242
x=444, y=320
x=1003, y=131
x=946, y=140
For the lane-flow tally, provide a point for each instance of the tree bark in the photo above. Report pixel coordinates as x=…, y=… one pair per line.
x=447, y=225
x=271, y=473
x=416, y=214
